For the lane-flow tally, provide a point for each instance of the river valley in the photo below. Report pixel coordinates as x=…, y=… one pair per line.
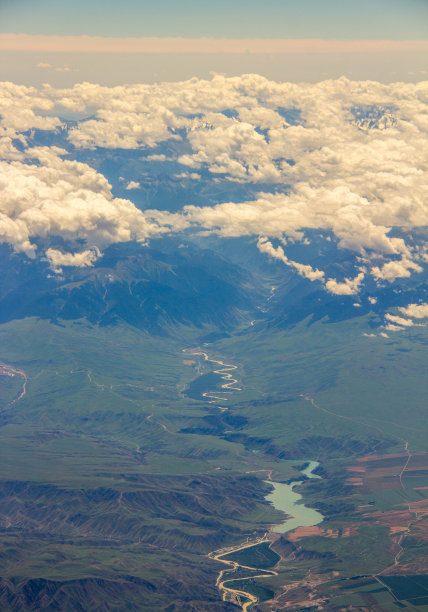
x=214, y=386
x=284, y=498
x=253, y=558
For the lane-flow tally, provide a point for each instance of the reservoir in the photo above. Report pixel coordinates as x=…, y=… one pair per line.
x=308, y=471
x=284, y=498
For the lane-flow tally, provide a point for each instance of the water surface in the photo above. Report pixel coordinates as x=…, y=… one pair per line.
x=284, y=498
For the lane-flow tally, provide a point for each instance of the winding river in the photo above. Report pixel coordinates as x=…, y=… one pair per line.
x=224, y=374
x=283, y=497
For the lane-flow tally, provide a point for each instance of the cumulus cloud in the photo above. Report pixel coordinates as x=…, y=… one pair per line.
x=66, y=69
x=411, y=312
x=416, y=311
x=345, y=158
x=133, y=185
x=231, y=147
x=47, y=66
x=398, y=320
x=188, y=175
x=64, y=198
x=396, y=269
x=349, y=286
x=160, y=157
x=392, y=327
x=20, y=109
x=265, y=246
x=83, y=259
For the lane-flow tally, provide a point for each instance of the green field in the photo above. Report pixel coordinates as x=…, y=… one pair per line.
x=113, y=476
x=259, y=556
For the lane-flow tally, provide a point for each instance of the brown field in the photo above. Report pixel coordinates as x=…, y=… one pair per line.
x=382, y=473
x=392, y=473
x=356, y=482
x=396, y=519
x=304, y=532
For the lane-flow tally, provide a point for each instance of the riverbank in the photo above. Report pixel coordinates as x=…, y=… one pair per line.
x=284, y=498
x=201, y=386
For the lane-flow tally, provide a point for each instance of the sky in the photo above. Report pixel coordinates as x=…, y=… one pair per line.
x=139, y=40
x=331, y=19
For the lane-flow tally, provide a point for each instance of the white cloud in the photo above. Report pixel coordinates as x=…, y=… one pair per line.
x=188, y=175
x=349, y=286
x=8, y=150
x=17, y=109
x=64, y=198
x=83, y=259
x=156, y=157
x=328, y=174
x=411, y=311
x=265, y=246
x=392, y=327
x=416, y=311
x=231, y=147
x=399, y=320
x=47, y=66
x=66, y=69
x=395, y=269
x=132, y=185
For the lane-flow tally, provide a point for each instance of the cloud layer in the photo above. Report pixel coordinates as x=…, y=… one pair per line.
x=347, y=159
x=66, y=199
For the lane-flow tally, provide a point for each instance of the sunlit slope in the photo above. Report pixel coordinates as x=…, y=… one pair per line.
x=341, y=380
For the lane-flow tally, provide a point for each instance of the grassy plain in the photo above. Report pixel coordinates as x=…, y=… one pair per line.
x=110, y=472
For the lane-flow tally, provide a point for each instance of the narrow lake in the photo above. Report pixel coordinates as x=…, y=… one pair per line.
x=284, y=498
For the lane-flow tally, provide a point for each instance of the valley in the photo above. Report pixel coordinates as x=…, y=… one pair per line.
x=259, y=551
x=133, y=453
x=224, y=372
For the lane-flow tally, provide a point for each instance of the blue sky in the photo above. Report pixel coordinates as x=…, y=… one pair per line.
x=340, y=19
